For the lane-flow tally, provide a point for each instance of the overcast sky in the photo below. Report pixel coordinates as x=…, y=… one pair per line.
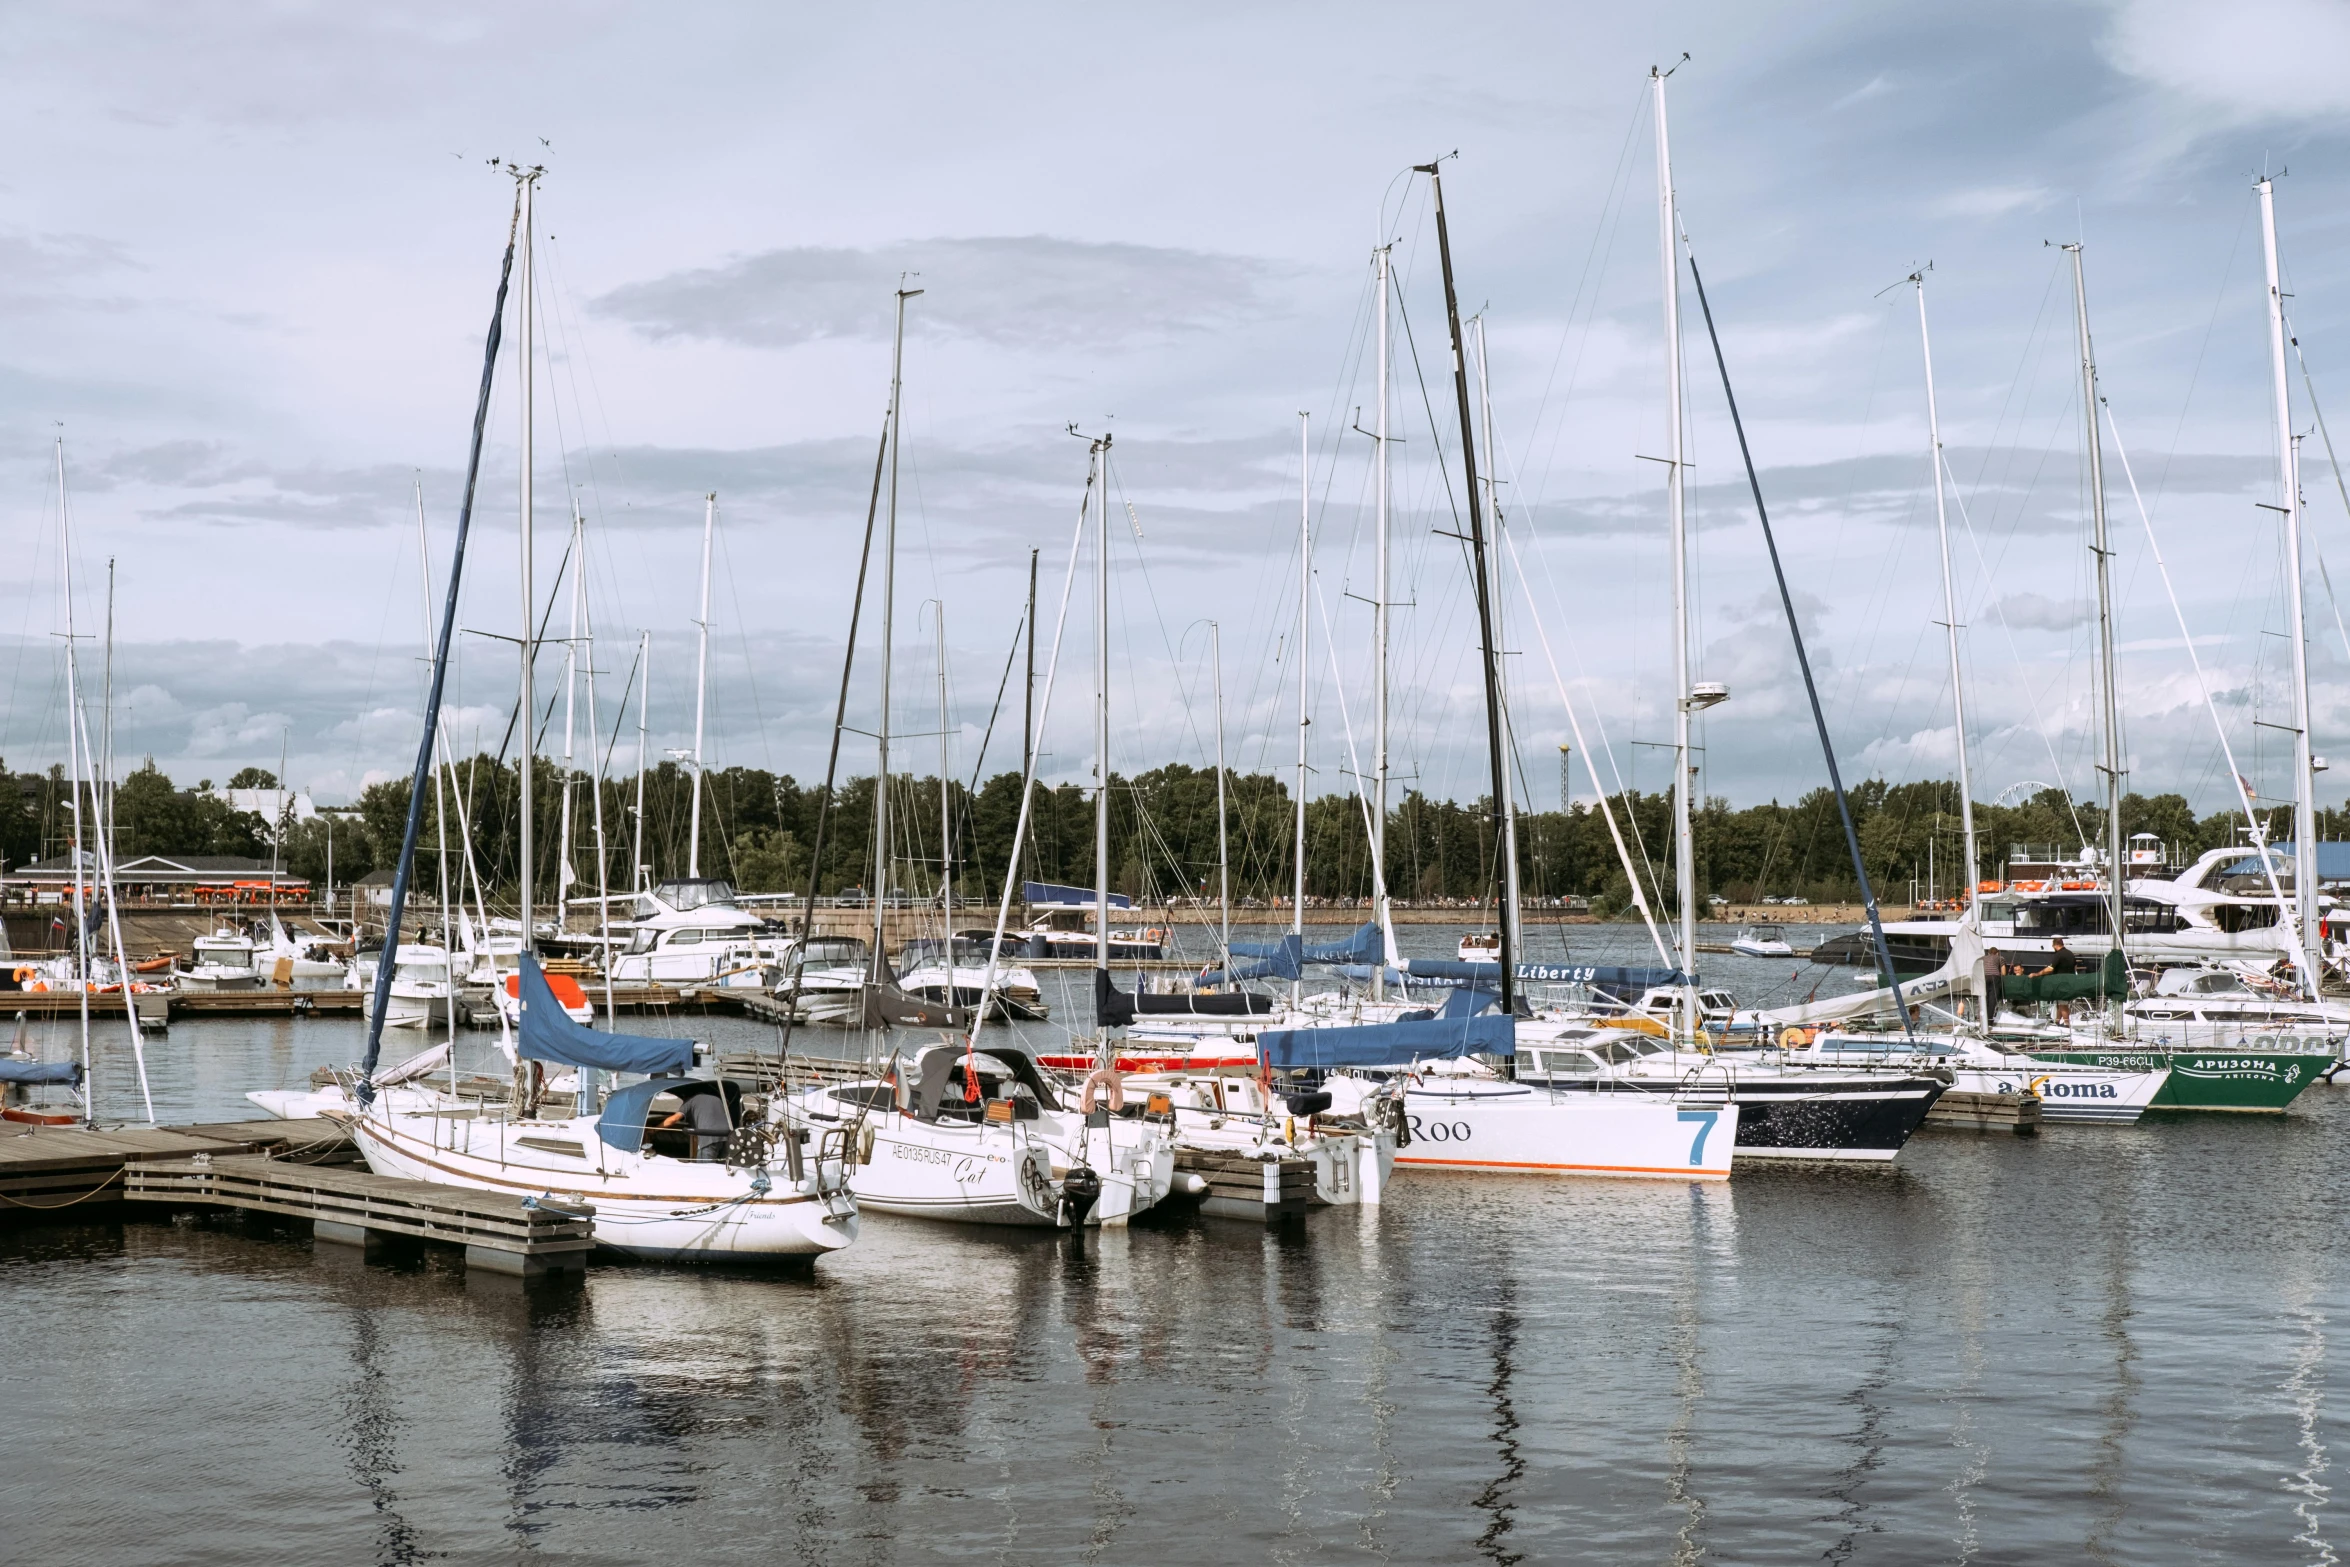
x=246, y=257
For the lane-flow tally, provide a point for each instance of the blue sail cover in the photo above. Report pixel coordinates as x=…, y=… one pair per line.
x=1053, y=892
x=623, y=1122
x=1279, y=960
x=1389, y=1044
x=1364, y=946
x=39, y=1071
x=548, y=1034
x=1446, y=971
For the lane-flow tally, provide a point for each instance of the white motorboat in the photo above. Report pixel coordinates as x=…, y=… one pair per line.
x=423, y=989
x=1481, y=947
x=1762, y=941
x=691, y=931
x=220, y=961
x=2206, y=1008
x=956, y=973
x=995, y=1147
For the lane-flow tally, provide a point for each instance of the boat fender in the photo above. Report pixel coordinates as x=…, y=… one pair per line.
x=1080, y=1190
x=1309, y=1104
x=1114, y=1088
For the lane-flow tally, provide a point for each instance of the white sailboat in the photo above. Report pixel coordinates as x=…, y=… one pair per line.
x=676, y=1167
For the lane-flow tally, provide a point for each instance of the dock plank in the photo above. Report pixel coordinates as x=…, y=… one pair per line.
x=362, y=1199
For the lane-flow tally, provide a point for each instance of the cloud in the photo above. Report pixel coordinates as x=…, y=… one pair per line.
x=1029, y=291
x=1991, y=201
x=2250, y=61
x=2038, y=612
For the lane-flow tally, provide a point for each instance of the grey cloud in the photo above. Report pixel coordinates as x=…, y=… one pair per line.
x=1033, y=291
x=2038, y=612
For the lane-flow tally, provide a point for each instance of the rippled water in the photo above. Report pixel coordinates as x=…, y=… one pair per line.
x=2095, y=1344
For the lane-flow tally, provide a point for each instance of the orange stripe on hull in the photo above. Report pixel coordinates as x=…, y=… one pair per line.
x=1693, y=1172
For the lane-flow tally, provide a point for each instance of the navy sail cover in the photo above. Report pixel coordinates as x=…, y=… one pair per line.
x=1389, y=1044
x=1053, y=892
x=549, y=1034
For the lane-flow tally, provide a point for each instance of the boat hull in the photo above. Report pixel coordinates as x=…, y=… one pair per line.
x=1844, y=1120
x=668, y=1210
x=2259, y=1082
x=1512, y=1129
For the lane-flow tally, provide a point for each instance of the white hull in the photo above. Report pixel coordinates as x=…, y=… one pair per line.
x=646, y=1205
x=1500, y=1128
x=2069, y=1093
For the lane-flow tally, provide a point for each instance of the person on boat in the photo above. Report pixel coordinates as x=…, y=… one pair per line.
x=2059, y=960
x=704, y=1117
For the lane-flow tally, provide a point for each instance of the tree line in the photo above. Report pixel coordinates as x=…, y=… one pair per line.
x=759, y=829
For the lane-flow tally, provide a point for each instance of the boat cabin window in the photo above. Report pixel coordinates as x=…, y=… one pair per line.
x=643, y=941
x=1615, y=1051
x=2220, y=985
x=868, y=1096
x=2235, y=917
x=688, y=895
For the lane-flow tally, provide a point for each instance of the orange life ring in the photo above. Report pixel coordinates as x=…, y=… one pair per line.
x=25, y=975
x=1113, y=1087
x=1987, y=886
x=2080, y=886
x=2030, y=886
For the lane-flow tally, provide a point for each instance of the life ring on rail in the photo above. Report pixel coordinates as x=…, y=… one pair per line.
x=25, y=975
x=1113, y=1089
x=1797, y=1038
x=2031, y=886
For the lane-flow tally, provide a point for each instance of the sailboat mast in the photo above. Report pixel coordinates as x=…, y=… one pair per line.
x=2289, y=476
x=1028, y=684
x=889, y=608
x=1380, y=628
x=1482, y=571
x=2100, y=548
x=1509, y=794
x=440, y=798
x=1223, y=813
x=570, y=702
x=946, y=803
x=1305, y=594
x=1966, y=786
x=1101, y=704
x=693, y=835
x=596, y=787
x=528, y=322
x=73, y=770
x=637, y=868
x=1676, y=418
x=102, y=802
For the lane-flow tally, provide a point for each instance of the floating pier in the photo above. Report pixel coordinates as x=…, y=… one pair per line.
x=47, y=1168
x=1243, y=1186
x=504, y=1234
x=2018, y=1113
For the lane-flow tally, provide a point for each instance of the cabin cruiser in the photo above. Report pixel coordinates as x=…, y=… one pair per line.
x=956, y=972
x=1064, y=924
x=2236, y=998
x=1482, y=946
x=691, y=931
x=827, y=975
x=1762, y=941
x=1787, y=1111
x=424, y=987
x=220, y=961
x=979, y=1136
x=676, y=1168
x=2223, y=906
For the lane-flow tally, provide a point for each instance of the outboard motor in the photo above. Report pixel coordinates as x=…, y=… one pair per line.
x=1080, y=1190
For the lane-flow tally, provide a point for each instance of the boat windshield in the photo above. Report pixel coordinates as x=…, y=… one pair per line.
x=687, y=895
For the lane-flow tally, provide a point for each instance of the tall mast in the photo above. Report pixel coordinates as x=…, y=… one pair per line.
x=528, y=322
x=1380, y=627
x=570, y=702
x=1509, y=794
x=1966, y=786
x=1305, y=594
x=1028, y=685
x=639, y=877
x=1484, y=578
x=1101, y=706
x=1684, y=837
x=889, y=607
x=693, y=837
x=73, y=758
x=946, y=803
x=2289, y=476
x=102, y=800
x=1223, y=815
x=596, y=788
x=2100, y=548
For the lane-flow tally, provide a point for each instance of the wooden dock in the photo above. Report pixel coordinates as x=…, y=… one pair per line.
x=2018, y=1113
x=47, y=1169
x=505, y=1234
x=1243, y=1186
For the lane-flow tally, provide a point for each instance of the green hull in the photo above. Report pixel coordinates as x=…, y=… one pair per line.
x=2254, y=1080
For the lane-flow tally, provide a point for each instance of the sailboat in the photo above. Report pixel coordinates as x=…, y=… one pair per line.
x=676, y=1167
